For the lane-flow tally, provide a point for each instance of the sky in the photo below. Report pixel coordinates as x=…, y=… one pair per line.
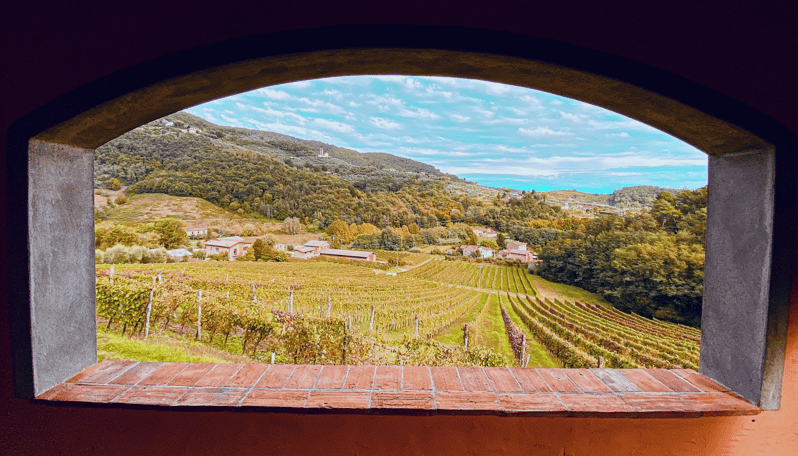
x=493, y=134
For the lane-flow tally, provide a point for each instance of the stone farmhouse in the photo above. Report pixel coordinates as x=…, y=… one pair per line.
x=484, y=232
x=470, y=251
x=317, y=246
x=522, y=255
x=303, y=252
x=234, y=246
x=515, y=245
x=197, y=231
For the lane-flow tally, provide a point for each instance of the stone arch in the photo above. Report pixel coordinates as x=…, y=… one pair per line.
x=751, y=172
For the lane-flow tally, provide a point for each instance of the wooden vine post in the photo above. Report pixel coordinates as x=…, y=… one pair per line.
x=199, y=316
x=329, y=307
x=371, y=320
x=291, y=300
x=415, y=331
x=523, y=350
x=149, y=310
x=465, y=336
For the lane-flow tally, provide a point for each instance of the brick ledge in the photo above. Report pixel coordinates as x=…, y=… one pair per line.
x=676, y=393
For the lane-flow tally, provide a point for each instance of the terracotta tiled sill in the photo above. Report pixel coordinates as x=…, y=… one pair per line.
x=676, y=393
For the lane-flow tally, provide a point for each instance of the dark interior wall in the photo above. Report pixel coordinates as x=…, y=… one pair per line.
x=744, y=50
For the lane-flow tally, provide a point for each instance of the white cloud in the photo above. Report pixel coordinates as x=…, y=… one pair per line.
x=332, y=93
x=568, y=116
x=385, y=124
x=507, y=169
x=273, y=94
x=513, y=150
x=208, y=114
x=433, y=90
x=322, y=105
x=556, y=102
x=504, y=121
x=435, y=152
x=333, y=125
x=273, y=113
x=496, y=89
x=529, y=99
x=301, y=132
x=459, y=118
x=622, y=134
x=390, y=78
x=418, y=113
x=542, y=132
x=413, y=84
x=299, y=85
x=619, y=124
x=233, y=120
x=484, y=112
x=353, y=104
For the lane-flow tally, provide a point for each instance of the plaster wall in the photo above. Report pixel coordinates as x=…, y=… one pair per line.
x=743, y=50
x=61, y=221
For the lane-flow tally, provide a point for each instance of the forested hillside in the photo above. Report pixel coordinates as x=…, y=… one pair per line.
x=244, y=171
x=650, y=263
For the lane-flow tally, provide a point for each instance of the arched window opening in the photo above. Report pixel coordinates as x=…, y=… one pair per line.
x=413, y=212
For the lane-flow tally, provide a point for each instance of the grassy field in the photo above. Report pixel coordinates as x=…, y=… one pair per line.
x=570, y=293
x=112, y=345
x=155, y=206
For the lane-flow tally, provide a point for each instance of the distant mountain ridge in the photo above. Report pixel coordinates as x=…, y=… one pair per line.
x=284, y=147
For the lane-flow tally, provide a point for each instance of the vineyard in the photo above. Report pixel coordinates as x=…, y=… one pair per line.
x=437, y=313
x=576, y=334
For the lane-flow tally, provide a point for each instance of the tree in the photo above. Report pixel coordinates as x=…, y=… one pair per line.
x=471, y=236
x=339, y=231
x=259, y=250
x=291, y=225
x=113, y=184
x=171, y=232
x=501, y=241
x=663, y=210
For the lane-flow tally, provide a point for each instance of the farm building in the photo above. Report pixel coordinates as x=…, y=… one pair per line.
x=484, y=232
x=178, y=254
x=234, y=246
x=196, y=231
x=350, y=254
x=524, y=256
x=515, y=245
x=303, y=252
x=470, y=251
x=317, y=246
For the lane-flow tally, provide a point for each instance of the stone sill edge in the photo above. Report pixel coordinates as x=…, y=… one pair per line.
x=400, y=411
x=712, y=400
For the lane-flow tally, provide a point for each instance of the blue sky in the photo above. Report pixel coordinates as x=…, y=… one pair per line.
x=493, y=134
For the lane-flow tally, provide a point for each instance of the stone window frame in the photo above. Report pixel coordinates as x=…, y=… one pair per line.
x=752, y=175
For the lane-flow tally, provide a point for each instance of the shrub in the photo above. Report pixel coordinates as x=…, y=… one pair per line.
x=117, y=254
